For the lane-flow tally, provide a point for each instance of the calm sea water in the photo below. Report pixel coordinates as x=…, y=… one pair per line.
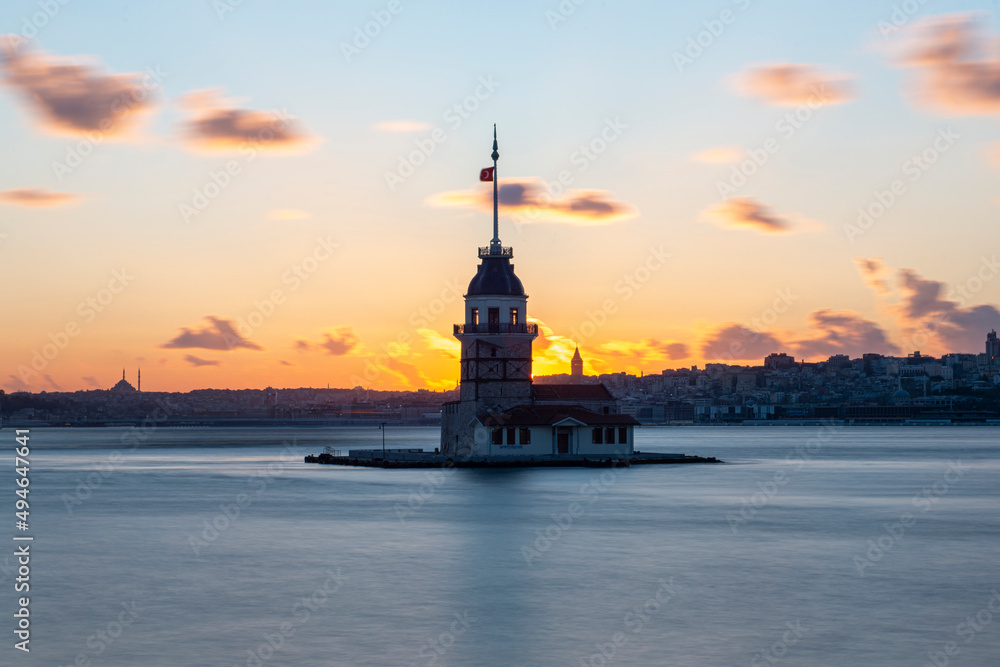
x=810, y=546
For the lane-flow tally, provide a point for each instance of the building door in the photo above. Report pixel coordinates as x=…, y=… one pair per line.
x=562, y=442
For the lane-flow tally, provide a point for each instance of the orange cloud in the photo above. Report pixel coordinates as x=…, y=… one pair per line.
x=197, y=361
x=926, y=310
x=219, y=334
x=36, y=197
x=875, y=273
x=746, y=213
x=216, y=125
x=450, y=347
x=789, y=85
x=719, y=155
x=73, y=97
x=842, y=332
x=648, y=349
x=957, y=66
x=733, y=342
x=341, y=342
x=529, y=198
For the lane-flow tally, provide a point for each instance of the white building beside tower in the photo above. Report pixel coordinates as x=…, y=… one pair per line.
x=499, y=412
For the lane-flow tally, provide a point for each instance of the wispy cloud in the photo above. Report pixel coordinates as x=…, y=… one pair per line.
x=218, y=334
x=647, y=349
x=875, y=272
x=529, y=197
x=197, y=361
x=957, y=66
x=339, y=342
x=790, y=84
x=926, y=307
x=215, y=124
x=734, y=342
x=746, y=213
x=74, y=96
x=434, y=341
x=719, y=155
x=37, y=197
x=402, y=126
x=841, y=332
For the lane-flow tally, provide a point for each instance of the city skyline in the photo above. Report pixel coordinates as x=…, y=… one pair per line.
x=742, y=191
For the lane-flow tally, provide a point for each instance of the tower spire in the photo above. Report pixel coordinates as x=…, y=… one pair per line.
x=495, y=243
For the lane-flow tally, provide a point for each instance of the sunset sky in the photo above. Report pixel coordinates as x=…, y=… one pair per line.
x=243, y=194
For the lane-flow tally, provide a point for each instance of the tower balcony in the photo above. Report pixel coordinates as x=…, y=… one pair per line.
x=495, y=251
x=494, y=329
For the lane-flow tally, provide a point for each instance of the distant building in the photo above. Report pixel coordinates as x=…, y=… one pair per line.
x=576, y=365
x=838, y=361
x=123, y=386
x=992, y=349
x=775, y=362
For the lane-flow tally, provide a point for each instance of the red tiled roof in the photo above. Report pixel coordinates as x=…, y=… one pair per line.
x=548, y=415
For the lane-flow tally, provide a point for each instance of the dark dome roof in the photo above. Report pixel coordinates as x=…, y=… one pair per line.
x=495, y=277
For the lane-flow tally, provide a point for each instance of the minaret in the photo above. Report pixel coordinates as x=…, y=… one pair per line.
x=496, y=341
x=139, y=380
x=576, y=365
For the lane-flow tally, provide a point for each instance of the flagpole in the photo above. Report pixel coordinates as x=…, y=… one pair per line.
x=496, y=213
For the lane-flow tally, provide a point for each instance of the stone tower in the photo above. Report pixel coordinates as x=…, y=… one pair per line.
x=496, y=342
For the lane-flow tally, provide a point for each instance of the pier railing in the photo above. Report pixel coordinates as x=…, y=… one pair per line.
x=484, y=251
x=499, y=328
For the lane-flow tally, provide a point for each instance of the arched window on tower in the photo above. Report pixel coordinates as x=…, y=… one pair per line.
x=474, y=316
x=514, y=316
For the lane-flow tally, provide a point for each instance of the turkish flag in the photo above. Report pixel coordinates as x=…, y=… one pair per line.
x=486, y=174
